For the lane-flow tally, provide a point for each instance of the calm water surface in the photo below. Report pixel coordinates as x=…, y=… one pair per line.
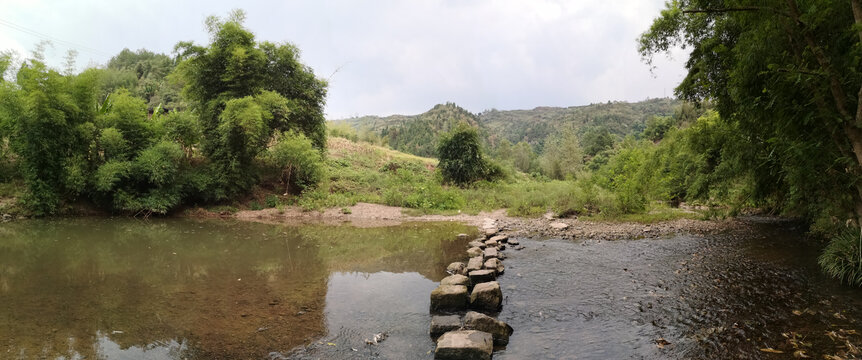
x=183, y=289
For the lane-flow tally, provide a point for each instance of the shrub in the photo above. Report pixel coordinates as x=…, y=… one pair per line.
x=842, y=258
x=299, y=165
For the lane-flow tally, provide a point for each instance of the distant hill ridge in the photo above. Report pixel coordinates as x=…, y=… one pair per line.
x=417, y=134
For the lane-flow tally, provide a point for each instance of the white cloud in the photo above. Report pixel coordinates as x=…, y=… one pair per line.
x=403, y=56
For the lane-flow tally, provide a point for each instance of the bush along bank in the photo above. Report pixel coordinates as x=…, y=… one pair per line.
x=467, y=301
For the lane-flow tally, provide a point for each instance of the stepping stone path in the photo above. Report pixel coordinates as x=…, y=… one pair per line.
x=472, y=289
x=464, y=344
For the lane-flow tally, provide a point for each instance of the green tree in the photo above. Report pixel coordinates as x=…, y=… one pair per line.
x=786, y=73
x=461, y=158
x=246, y=92
x=562, y=157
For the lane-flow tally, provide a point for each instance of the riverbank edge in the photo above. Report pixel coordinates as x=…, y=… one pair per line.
x=375, y=215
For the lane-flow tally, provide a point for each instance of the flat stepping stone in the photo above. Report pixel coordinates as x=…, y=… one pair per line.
x=499, y=330
x=486, y=296
x=500, y=238
x=449, y=298
x=490, y=243
x=494, y=264
x=456, y=279
x=441, y=324
x=474, y=252
x=480, y=276
x=491, y=231
x=464, y=344
x=475, y=263
x=490, y=252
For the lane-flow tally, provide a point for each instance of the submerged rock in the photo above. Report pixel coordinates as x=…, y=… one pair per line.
x=480, y=276
x=475, y=263
x=495, y=264
x=449, y=298
x=499, y=330
x=456, y=279
x=474, y=252
x=443, y=323
x=500, y=238
x=486, y=296
x=490, y=253
x=464, y=344
x=457, y=268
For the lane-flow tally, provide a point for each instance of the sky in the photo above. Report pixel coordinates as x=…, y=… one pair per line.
x=390, y=57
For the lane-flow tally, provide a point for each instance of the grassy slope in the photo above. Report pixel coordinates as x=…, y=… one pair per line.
x=361, y=172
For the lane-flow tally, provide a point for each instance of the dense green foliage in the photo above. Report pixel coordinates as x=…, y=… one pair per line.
x=786, y=74
x=461, y=158
x=106, y=137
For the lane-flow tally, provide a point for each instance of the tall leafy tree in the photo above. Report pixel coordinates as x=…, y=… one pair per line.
x=245, y=92
x=788, y=72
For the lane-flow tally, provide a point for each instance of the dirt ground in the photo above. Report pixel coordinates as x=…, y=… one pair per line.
x=371, y=215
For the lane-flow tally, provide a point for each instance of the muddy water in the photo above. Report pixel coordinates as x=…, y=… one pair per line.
x=719, y=297
x=181, y=289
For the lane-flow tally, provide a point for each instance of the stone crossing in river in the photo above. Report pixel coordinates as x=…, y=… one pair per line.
x=472, y=290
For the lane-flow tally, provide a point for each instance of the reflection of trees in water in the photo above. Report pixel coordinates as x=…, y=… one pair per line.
x=233, y=290
x=229, y=290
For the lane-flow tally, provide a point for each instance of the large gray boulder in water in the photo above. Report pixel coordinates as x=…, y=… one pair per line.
x=464, y=344
x=449, y=298
x=498, y=329
x=486, y=296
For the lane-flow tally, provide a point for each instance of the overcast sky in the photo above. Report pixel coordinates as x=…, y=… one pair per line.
x=391, y=57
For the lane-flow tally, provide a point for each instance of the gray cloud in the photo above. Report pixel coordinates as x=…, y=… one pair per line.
x=397, y=56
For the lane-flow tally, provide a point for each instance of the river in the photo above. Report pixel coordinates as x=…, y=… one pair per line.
x=194, y=289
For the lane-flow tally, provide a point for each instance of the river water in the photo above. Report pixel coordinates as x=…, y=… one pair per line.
x=187, y=289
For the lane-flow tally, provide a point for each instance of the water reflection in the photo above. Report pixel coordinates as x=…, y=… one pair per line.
x=171, y=289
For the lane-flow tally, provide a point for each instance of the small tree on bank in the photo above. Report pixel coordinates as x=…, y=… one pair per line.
x=461, y=158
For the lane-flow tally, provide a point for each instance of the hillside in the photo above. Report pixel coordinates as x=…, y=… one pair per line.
x=417, y=134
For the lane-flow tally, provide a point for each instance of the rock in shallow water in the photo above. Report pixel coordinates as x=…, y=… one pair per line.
x=475, y=263
x=514, y=242
x=456, y=279
x=443, y=323
x=462, y=236
x=499, y=330
x=457, y=268
x=486, y=296
x=449, y=298
x=480, y=276
x=490, y=253
x=500, y=238
x=495, y=264
x=491, y=231
x=474, y=252
x=464, y=344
